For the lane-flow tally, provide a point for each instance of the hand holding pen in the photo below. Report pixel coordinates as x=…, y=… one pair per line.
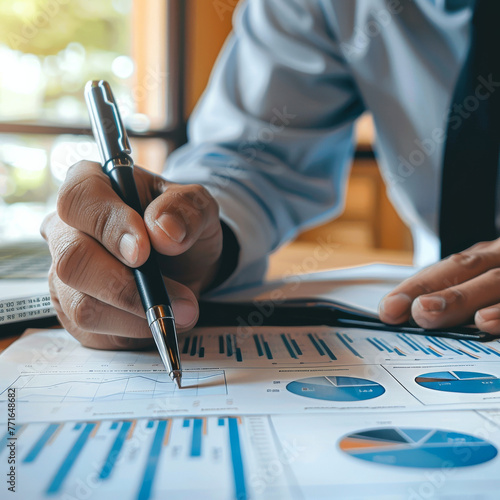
x=95, y=238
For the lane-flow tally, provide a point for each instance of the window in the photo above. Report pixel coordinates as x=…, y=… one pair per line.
x=49, y=49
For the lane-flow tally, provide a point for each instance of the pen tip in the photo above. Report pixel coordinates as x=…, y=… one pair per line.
x=177, y=380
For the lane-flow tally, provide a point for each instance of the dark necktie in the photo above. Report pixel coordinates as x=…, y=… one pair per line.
x=471, y=155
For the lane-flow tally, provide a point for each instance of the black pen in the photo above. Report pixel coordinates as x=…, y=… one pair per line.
x=114, y=149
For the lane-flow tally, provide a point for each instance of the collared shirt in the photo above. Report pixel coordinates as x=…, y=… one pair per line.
x=272, y=137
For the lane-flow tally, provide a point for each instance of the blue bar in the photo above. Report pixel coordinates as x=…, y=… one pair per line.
x=344, y=341
x=288, y=346
x=374, y=344
x=114, y=452
x=327, y=349
x=406, y=341
x=399, y=353
x=186, y=422
x=185, y=347
x=77, y=427
x=315, y=344
x=296, y=346
x=268, y=350
x=238, y=471
x=196, y=442
x=383, y=344
x=202, y=352
x=468, y=345
x=441, y=345
x=150, y=424
x=154, y=455
x=114, y=426
x=229, y=345
x=238, y=354
x=37, y=448
x=260, y=352
x=432, y=351
x=494, y=352
x=221, y=422
x=477, y=346
x=70, y=459
x=221, y=344
x=193, y=346
x=348, y=338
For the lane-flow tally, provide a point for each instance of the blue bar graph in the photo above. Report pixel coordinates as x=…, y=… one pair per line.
x=344, y=341
x=260, y=352
x=114, y=426
x=327, y=349
x=70, y=459
x=374, y=344
x=114, y=452
x=296, y=346
x=150, y=424
x=42, y=441
x=193, y=346
x=267, y=349
x=152, y=462
x=220, y=422
x=237, y=460
x=238, y=354
x=196, y=441
x=383, y=344
x=221, y=344
x=186, y=422
x=315, y=344
x=229, y=345
x=288, y=346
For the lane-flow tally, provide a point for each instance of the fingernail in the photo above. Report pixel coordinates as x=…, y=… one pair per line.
x=490, y=314
x=129, y=248
x=174, y=228
x=185, y=311
x=396, y=305
x=431, y=304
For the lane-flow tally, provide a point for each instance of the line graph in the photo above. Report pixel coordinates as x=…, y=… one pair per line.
x=93, y=387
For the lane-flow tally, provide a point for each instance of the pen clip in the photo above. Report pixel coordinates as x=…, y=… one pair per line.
x=107, y=125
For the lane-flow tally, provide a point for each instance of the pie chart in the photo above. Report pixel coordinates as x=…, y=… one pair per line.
x=419, y=448
x=336, y=388
x=460, y=381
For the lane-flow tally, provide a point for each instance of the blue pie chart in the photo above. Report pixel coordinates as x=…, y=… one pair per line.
x=460, y=381
x=418, y=448
x=336, y=388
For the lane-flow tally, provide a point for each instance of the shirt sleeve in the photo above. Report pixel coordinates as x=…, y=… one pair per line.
x=272, y=136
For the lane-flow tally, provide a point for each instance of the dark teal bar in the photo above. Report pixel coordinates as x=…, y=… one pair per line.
x=69, y=461
x=196, y=441
x=42, y=441
x=237, y=460
x=114, y=452
x=152, y=462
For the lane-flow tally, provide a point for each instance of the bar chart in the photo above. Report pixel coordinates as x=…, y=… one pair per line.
x=139, y=459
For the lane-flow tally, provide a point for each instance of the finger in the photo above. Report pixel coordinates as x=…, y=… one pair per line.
x=457, y=304
x=84, y=265
x=181, y=216
x=458, y=268
x=88, y=314
x=488, y=319
x=87, y=202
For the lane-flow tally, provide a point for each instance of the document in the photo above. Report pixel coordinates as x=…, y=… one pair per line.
x=264, y=413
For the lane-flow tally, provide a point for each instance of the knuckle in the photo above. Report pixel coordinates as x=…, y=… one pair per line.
x=455, y=296
x=494, y=274
x=468, y=259
x=71, y=261
x=85, y=312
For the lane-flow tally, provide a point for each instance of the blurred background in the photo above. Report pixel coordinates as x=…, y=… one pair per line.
x=157, y=55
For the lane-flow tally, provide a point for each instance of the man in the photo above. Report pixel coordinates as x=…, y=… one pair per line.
x=268, y=154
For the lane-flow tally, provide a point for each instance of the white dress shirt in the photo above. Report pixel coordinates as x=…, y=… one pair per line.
x=272, y=136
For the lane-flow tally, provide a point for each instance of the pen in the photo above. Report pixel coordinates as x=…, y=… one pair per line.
x=117, y=164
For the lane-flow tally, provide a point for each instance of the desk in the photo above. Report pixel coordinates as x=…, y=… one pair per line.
x=306, y=257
